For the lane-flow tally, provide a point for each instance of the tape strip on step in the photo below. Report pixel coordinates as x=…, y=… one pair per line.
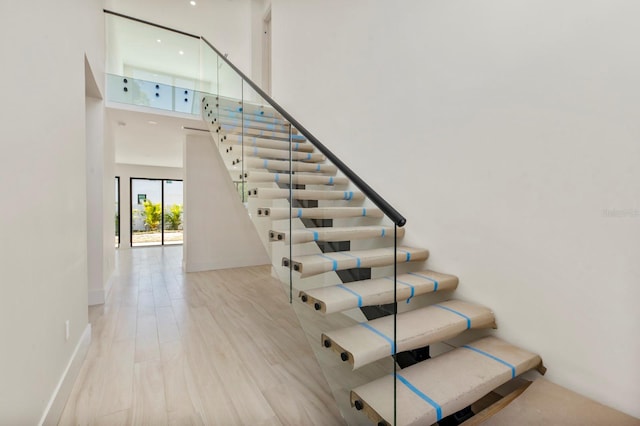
x=435, y=282
x=422, y=396
x=342, y=286
x=407, y=253
x=358, y=262
x=334, y=262
x=413, y=289
x=457, y=313
x=381, y=334
x=315, y=233
x=493, y=357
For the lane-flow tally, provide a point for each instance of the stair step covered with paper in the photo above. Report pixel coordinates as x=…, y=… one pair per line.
x=279, y=154
x=248, y=142
x=431, y=390
x=277, y=213
x=334, y=234
x=305, y=194
x=299, y=179
x=370, y=341
x=296, y=166
x=377, y=291
x=315, y=264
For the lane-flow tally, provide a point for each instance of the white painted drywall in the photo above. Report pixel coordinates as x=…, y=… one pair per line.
x=128, y=171
x=504, y=131
x=43, y=255
x=218, y=231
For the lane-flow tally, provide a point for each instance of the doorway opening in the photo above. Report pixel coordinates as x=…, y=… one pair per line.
x=156, y=212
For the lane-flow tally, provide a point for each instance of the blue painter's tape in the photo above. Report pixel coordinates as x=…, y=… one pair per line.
x=277, y=176
x=271, y=127
x=315, y=234
x=297, y=146
x=381, y=334
x=511, y=366
x=413, y=289
x=334, y=265
x=435, y=282
x=352, y=292
x=364, y=211
x=309, y=156
x=383, y=233
x=299, y=213
x=255, y=151
x=408, y=255
x=422, y=396
x=348, y=195
x=265, y=164
x=331, y=180
x=457, y=313
x=317, y=167
x=354, y=257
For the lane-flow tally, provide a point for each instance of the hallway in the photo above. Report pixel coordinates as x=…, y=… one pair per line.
x=217, y=347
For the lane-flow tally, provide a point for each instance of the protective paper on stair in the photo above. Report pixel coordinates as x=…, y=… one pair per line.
x=378, y=291
x=228, y=113
x=246, y=107
x=276, y=213
x=251, y=141
x=305, y=194
x=309, y=157
x=366, y=343
x=248, y=131
x=335, y=261
x=339, y=233
x=300, y=179
x=253, y=124
x=450, y=382
x=296, y=166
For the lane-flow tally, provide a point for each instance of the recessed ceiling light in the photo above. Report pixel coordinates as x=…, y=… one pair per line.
x=192, y=3
x=159, y=41
x=181, y=52
x=152, y=122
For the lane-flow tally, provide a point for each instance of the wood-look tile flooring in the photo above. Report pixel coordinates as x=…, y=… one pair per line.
x=213, y=348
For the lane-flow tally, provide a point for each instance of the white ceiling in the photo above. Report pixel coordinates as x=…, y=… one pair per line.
x=137, y=141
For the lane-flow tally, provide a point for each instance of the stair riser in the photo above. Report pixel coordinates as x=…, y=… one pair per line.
x=333, y=235
x=296, y=166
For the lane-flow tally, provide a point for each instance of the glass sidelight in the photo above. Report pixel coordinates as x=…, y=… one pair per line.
x=156, y=212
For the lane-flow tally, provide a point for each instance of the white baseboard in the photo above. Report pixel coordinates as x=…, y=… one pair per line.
x=97, y=296
x=61, y=393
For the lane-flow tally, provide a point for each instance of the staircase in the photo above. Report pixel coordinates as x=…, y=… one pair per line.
x=370, y=306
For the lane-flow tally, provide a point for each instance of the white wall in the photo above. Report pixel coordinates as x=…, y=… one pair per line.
x=218, y=231
x=43, y=255
x=225, y=24
x=128, y=171
x=502, y=130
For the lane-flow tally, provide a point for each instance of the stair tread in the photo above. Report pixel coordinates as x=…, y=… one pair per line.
x=283, y=165
x=319, y=212
x=431, y=390
x=310, y=157
x=301, y=179
x=325, y=262
x=378, y=291
x=306, y=194
x=343, y=233
x=373, y=340
x=251, y=141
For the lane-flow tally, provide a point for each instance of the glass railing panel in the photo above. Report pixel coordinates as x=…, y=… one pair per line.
x=149, y=53
x=151, y=94
x=340, y=248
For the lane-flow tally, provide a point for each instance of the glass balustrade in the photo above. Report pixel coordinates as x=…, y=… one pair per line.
x=336, y=253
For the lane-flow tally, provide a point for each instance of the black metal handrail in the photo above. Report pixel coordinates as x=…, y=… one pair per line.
x=382, y=204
